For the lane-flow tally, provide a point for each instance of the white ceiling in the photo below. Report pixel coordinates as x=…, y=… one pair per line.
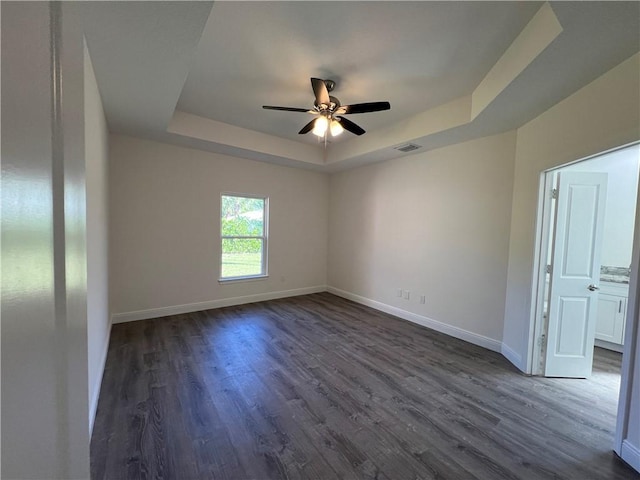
x=411, y=54
x=195, y=74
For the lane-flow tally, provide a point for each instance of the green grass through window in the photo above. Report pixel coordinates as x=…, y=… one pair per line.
x=241, y=264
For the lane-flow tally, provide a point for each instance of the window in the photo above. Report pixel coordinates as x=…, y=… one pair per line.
x=243, y=227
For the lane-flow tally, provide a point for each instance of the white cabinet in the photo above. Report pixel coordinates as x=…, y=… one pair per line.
x=612, y=311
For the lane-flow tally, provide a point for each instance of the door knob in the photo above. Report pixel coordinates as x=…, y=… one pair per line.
x=593, y=288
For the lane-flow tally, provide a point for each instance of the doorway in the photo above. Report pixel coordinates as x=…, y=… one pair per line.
x=568, y=325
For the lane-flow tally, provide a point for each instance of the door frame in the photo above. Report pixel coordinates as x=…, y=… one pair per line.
x=632, y=338
x=536, y=323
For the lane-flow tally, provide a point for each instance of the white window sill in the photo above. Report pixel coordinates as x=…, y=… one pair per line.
x=248, y=278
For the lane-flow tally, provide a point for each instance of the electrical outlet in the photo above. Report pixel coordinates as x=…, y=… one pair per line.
x=423, y=299
x=406, y=294
x=399, y=292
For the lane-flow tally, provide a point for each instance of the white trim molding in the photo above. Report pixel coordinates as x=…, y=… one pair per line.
x=93, y=401
x=476, y=339
x=630, y=454
x=223, y=302
x=513, y=357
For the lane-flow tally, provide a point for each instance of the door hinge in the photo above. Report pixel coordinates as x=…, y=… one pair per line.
x=541, y=340
x=549, y=269
x=554, y=193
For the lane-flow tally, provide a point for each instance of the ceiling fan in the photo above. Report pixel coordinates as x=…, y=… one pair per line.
x=328, y=111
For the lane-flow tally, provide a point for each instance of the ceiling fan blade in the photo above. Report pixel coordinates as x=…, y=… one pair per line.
x=308, y=127
x=350, y=126
x=320, y=91
x=286, y=109
x=366, y=107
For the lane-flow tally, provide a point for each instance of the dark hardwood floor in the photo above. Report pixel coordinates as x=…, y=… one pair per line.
x=318, y=387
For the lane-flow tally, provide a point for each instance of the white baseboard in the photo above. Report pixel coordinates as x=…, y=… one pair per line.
x=456, y=332
x=93, y=401
x=630, y=454
x=223, y=302
x=609, y=346
x=480, y=340
x=513, y=357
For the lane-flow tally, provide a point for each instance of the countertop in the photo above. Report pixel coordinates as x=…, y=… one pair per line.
x=615, y=274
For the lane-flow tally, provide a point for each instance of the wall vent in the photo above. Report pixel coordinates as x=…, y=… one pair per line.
x=409, y=147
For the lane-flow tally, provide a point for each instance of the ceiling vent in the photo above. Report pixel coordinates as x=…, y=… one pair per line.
x=409, y=147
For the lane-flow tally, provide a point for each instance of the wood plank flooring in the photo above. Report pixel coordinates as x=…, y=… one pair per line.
x=318, y=387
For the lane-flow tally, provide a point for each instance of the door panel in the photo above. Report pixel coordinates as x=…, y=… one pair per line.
x=580, y=235
x=572, y=327
x=575, y=266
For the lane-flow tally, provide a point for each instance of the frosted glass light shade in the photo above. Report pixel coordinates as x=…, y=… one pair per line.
x=336, y=128
x=320, y=127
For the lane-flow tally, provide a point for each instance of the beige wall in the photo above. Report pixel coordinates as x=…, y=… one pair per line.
x=165, y=227
x=600, y=116
x=96, y=164
x=434, y=223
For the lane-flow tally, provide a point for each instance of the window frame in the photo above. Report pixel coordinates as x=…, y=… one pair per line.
x=264, y=238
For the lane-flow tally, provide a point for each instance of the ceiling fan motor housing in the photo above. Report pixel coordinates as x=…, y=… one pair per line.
x=335, y=103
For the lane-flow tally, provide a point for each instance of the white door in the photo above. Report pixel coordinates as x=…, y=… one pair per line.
x=575, y=274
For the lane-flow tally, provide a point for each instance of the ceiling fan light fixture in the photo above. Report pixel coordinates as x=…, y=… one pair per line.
x=335, y=128
x=320, y=127
x=329, y=111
